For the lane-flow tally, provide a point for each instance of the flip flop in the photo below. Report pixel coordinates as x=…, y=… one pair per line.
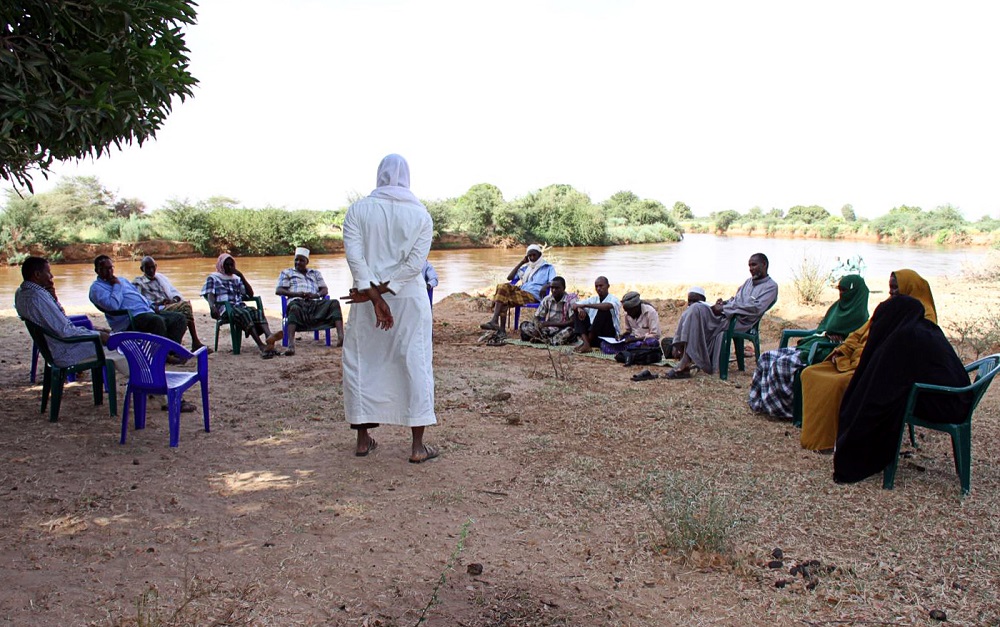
x=269, y=354
x=431, y=454
x=372, y=445
x=677, y=374
x=289, y=352
x=645, y=375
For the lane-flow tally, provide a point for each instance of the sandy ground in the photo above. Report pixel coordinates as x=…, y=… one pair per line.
x=538, y=512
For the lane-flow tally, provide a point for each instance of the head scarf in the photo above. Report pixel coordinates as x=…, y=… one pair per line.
x=847, y=314
x=912, y=284
x=533, y=266
x=393, y=180
x=631, y=300
x=220, y=272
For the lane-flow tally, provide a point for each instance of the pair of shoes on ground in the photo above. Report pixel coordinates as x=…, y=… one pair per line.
x=186, y=407
x=645, y=375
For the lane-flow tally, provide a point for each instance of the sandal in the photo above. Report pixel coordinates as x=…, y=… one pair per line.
x=645, y=375
x=372, y=445
x=677, y=374
x=269, y=354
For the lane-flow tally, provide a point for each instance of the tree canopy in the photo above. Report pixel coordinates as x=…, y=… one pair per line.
x=77, y=77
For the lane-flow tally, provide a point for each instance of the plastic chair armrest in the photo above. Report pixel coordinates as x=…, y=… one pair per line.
x=788, y=334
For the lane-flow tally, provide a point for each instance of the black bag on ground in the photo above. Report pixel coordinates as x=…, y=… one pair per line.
x=642, y=356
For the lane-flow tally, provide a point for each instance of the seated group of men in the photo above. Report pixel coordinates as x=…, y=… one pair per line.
x=562, y=319
x=151, y=304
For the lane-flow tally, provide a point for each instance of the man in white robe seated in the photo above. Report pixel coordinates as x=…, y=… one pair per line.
x=698, y=339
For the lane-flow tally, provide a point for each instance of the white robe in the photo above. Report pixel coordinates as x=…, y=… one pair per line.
x=388, y=377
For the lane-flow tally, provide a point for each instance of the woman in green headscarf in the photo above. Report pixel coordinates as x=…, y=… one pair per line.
x=772, y=389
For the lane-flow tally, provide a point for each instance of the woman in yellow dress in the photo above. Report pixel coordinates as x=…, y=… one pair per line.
x=824, y=384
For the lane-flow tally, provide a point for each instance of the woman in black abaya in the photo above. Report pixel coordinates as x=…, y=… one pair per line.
x=903, y=348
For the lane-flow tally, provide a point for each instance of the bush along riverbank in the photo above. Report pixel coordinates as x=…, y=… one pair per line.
x=80, y=215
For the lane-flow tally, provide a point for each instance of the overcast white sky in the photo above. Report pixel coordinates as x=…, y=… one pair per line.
x=724, y=105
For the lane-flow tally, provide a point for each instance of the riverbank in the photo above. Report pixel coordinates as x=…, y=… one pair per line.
x=536, y=513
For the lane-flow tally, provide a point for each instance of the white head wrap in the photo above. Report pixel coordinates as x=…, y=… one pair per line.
x=532, y=266
x=697, y=289
x=303, y=251
x=393, y=180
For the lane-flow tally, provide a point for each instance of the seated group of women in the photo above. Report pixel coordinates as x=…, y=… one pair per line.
x=854, y=398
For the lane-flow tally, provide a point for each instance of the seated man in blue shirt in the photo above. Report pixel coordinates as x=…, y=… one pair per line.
x=533, y=275
x=110, y=293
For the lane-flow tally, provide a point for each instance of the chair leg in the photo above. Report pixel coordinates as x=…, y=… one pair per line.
x=34, y=362
x=739, y=347
x=174, y=415
x=58, y=380
x=237, y=337
x=797, y=399
x=889, y=474
x=284, y=333
x=128, y=394
x=46, y=387
x=109, y=383
x=97, y=382
x=216, y=337
x=724, y=358
x=140, y=401
x=961, y=446
x=204, y=403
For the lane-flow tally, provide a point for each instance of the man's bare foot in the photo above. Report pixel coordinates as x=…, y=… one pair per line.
x=365, y=446
x=489, y=326
x=583, y=348
x=428, y=453
x=290, y=351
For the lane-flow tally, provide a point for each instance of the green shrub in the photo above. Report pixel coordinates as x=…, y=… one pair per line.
x=809, y=280
x=695, y=513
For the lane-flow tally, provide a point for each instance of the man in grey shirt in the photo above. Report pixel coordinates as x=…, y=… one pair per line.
x=34, y=300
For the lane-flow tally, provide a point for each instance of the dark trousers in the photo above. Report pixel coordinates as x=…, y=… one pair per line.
x=168, y=324
x=601, y=327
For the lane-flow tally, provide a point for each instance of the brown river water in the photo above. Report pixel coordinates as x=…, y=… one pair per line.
x=697, y=259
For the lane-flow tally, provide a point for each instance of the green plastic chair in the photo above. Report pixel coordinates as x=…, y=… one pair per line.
x=54, y=377
x=736, y=339
x=235, y=333
x=982, y=371
x=811, y=359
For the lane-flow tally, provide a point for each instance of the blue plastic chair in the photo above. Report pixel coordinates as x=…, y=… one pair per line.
x=148, y=374
x=79, y=321
x=517, y=308
x=284, y=324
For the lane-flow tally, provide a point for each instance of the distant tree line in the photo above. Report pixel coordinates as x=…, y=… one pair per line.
x=81, y=209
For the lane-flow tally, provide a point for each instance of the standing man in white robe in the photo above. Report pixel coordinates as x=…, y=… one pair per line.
x=388, y=377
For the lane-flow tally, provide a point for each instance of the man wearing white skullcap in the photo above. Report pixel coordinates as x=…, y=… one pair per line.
x=308, y=307
x=532, y=275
